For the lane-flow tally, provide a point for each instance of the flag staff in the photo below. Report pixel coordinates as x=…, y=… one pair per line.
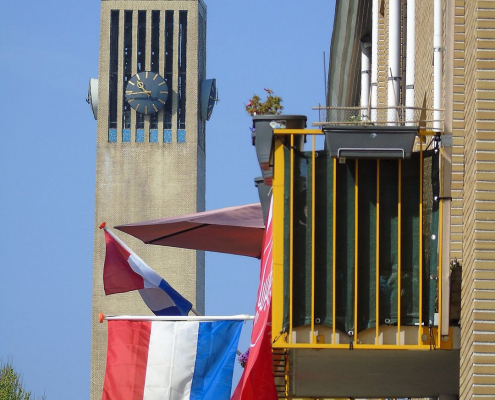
x=202, y=318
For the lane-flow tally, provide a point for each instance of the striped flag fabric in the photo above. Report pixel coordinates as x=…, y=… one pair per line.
x=170, y=360
x=124, y=271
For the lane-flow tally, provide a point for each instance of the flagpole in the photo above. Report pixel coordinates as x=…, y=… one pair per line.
x=103, y=226
x=203, y=318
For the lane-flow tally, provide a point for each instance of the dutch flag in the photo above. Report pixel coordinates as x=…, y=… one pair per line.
x=124, y=271
x=170, y=360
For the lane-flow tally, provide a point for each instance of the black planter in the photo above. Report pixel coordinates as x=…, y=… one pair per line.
x=390, y=142
x=263, y=138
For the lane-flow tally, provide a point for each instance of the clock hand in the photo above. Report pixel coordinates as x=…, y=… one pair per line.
x=140, y=85
x=143, y=92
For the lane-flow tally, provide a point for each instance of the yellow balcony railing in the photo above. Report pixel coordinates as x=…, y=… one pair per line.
x=357, y=245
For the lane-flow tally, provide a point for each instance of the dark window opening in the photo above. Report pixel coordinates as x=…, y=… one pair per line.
x=141, y=41
x=155, y=41
x=181, y=89
x=202, y=75
x=169, y=57
x=114, y=69
x=155, y=57
x=126, y=108
x=141, y=61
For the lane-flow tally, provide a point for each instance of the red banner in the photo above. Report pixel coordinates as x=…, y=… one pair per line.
x=257, y=381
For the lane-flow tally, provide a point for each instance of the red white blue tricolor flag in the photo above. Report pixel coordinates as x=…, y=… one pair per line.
x=170, y=360
x=124, y=271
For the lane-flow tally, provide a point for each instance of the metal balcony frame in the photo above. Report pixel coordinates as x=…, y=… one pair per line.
x=284, y=341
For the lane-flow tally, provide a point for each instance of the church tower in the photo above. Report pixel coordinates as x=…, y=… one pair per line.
x=150, y=159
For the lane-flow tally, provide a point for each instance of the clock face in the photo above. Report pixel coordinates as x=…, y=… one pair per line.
x=211, y=99
x=146, y=92
x=208, y=97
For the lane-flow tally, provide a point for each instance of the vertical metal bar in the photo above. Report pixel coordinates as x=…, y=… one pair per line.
x=334, y=246
x=440, y=250
x=377, y=283
x=291, y=238
x=278, y=240
x=399, y=245
x=356, y=222
x=313, y=182
x=420, y=311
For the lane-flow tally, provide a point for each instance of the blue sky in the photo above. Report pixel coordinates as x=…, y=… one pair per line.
x=48, y=52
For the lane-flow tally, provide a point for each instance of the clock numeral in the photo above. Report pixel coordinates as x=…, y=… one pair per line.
x=130, y=100
x=146, y=109
x=153, y=104
x=137, y=76
x=156, y=76
x=164, y=91
x=137, y=106
x=132, y=83
x=146, y=74
x=161, y=83
x=161, y=101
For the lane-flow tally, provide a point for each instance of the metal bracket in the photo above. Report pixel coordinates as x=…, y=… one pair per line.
x=447, y=140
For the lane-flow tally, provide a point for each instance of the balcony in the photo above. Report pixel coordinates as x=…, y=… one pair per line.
x=357, y=244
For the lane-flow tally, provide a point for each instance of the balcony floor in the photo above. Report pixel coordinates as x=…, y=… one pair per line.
x=373, y=373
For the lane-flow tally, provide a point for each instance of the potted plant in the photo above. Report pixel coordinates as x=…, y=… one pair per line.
x=266, y=117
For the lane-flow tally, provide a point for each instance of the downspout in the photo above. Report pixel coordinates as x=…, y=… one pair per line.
x=374, y=61
x=365, y=79
x=437, y=65
x=393, y=60
x=447, y=142
x=410, y=60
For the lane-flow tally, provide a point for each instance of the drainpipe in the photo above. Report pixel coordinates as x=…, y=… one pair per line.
x=374, y=61
x=447, y=163
x=437, y=65
x=410, y=60
x=365, y=79
x=393, y=60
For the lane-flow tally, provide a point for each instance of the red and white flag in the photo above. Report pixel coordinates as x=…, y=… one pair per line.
x=257, y=382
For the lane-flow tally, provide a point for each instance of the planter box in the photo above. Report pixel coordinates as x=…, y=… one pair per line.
x=389, y=142
x=263, y=138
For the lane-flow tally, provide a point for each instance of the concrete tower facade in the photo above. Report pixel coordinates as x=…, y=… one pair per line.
x=149, y=165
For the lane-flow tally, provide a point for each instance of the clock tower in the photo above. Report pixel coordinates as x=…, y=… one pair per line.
x=150, y=159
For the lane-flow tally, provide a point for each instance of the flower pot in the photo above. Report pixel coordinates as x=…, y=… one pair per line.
x=263, y=137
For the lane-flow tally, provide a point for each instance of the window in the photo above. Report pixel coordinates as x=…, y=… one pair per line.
x=181, y=89
x=126, y=109
x=141, y=66
x=155, y=66
x=113, y=74
x=169, y=58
